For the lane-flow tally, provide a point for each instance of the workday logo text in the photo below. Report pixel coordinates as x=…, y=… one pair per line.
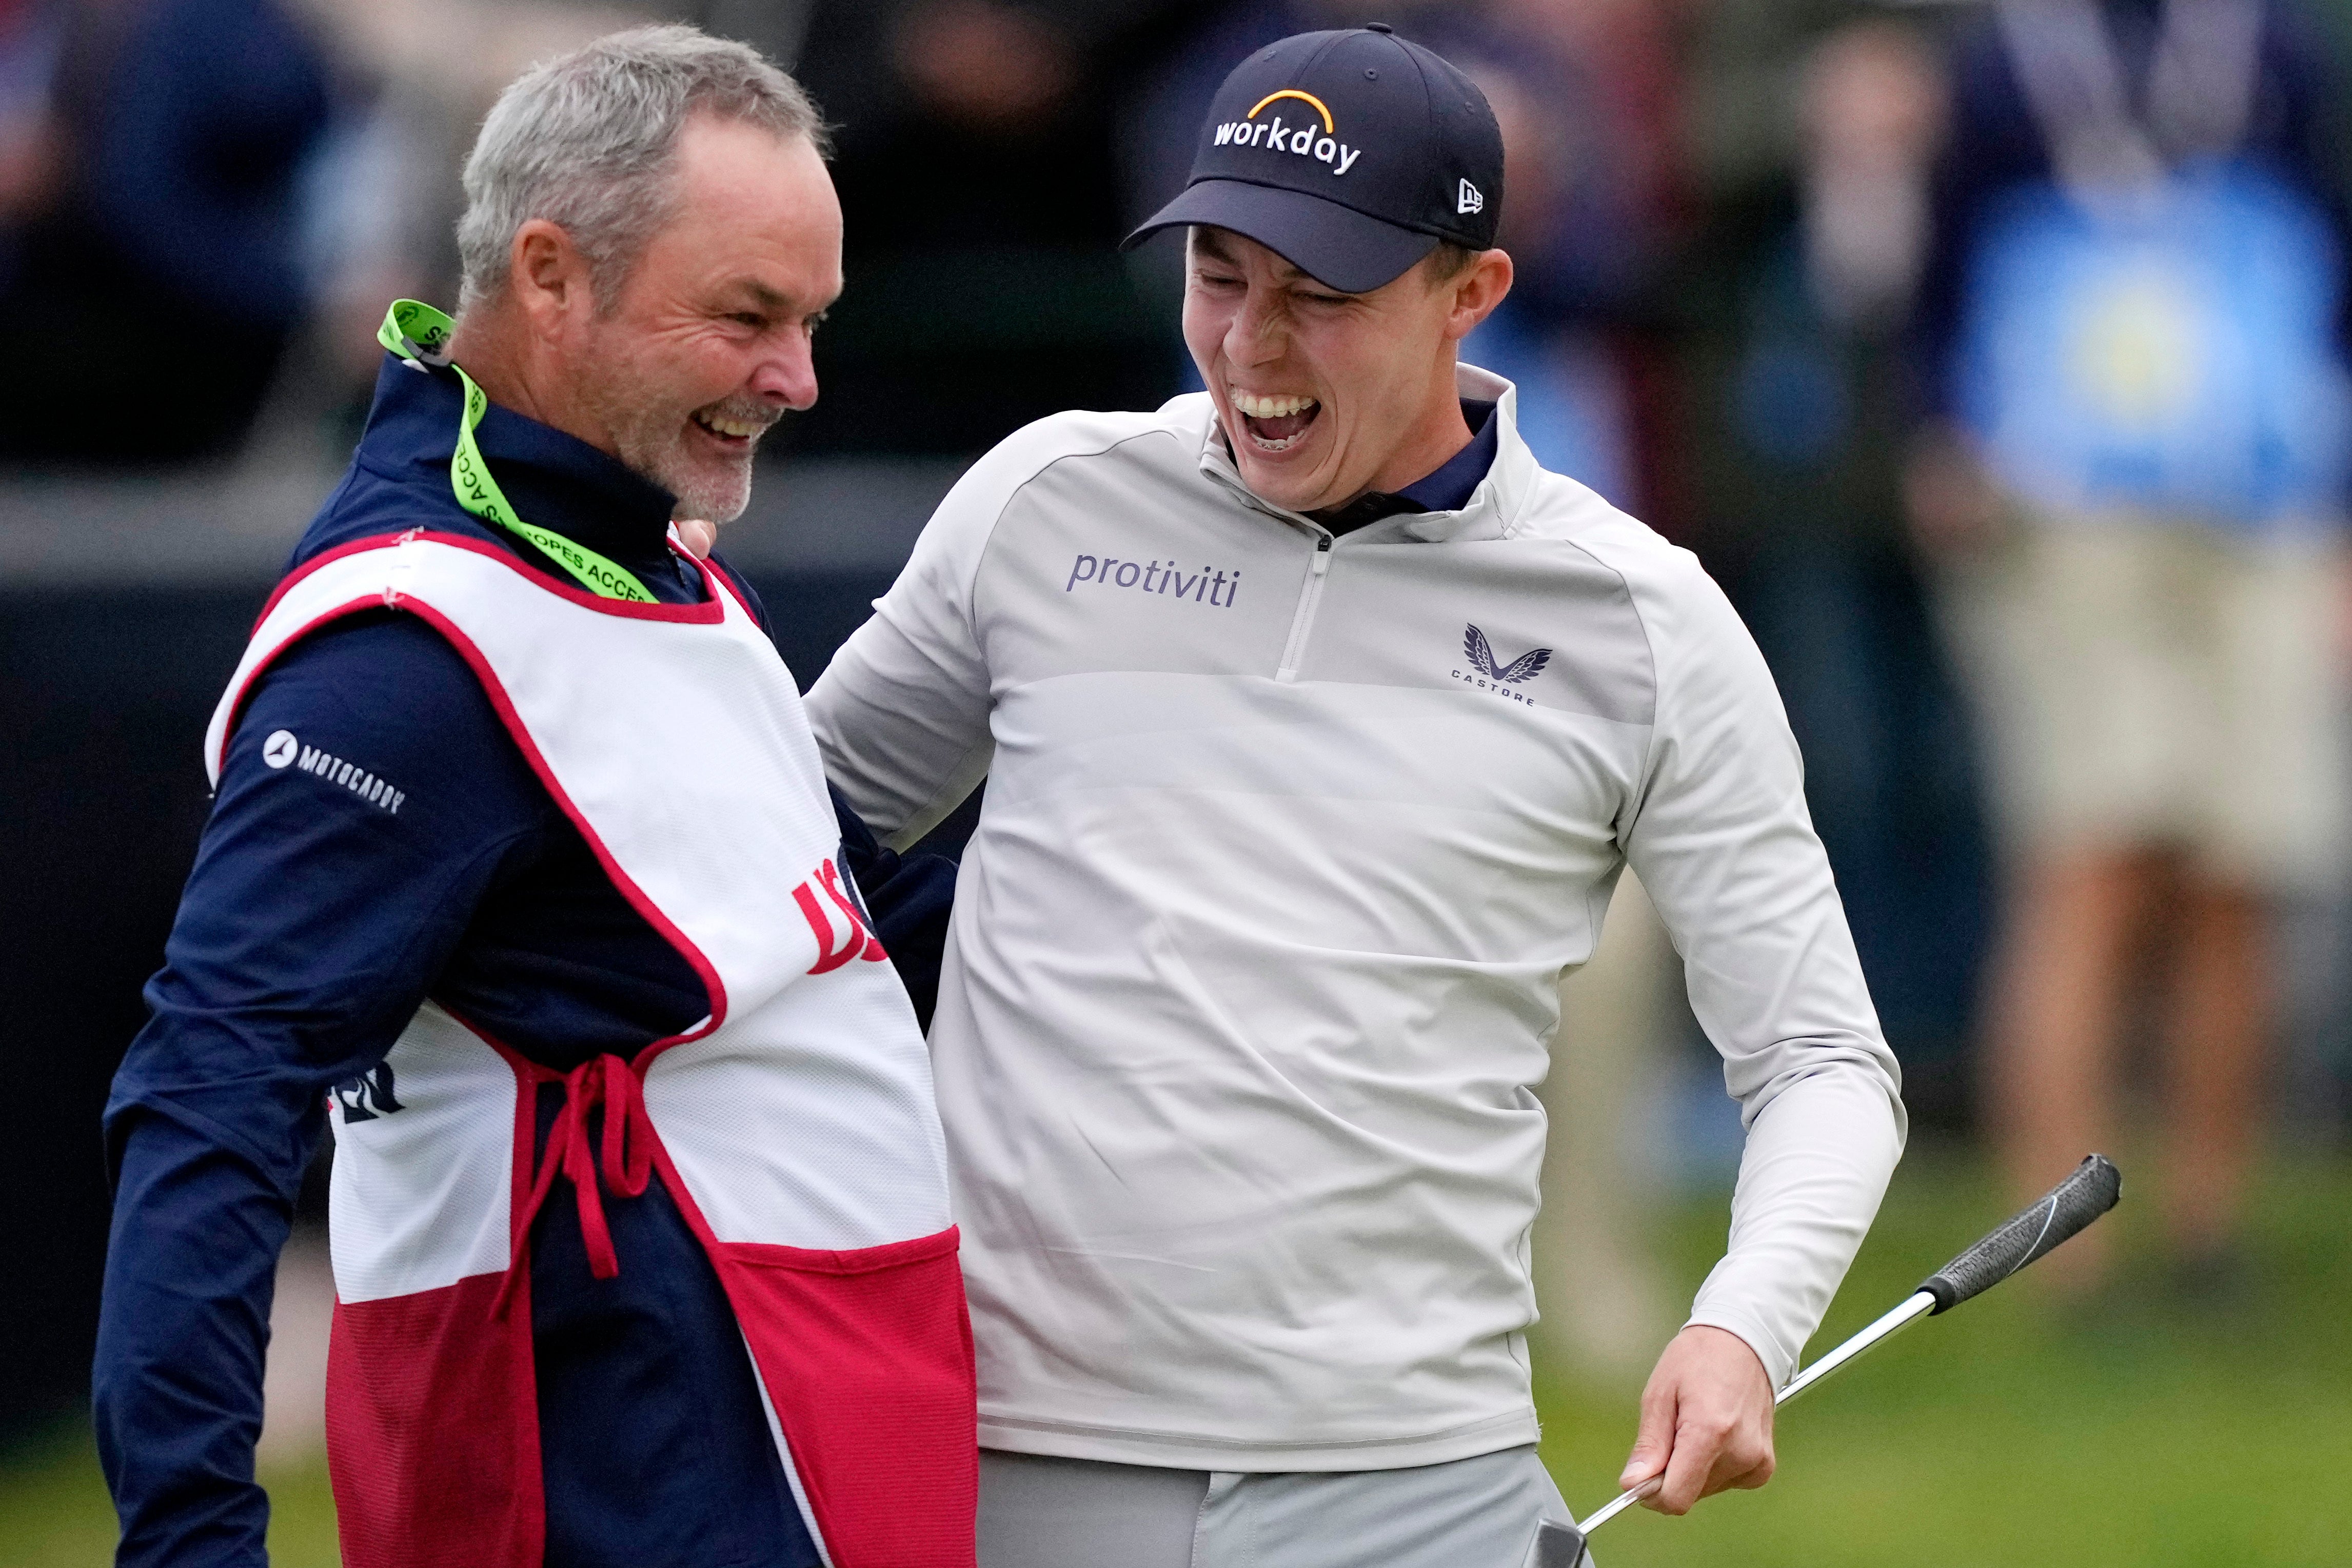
x=1315, y=138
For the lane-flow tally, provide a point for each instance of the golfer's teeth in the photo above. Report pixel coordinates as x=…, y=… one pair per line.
x=726, y=426
x=1258, y=407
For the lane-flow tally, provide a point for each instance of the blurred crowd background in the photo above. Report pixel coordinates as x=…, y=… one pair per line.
x=1992, y=356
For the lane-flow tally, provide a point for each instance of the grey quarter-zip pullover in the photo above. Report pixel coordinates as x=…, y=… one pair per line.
x=1288, y=841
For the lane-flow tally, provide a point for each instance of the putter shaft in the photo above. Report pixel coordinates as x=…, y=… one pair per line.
x=2031, y=1232
x=1916, y=1305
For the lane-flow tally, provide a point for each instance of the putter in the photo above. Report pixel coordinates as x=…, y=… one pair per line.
x=2064, y=1209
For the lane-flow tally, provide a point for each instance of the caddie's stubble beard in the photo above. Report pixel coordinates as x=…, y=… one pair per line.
x=650, y=434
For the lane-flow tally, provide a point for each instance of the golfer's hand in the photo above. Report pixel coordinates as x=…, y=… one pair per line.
x=697, y=536
x=1707, y=1421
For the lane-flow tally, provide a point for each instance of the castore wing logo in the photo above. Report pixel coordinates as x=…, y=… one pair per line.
x=1481, y=655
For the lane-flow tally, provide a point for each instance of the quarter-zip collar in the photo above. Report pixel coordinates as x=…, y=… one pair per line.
x=1451, y=484
x=1491, y=512
x=1444, y=488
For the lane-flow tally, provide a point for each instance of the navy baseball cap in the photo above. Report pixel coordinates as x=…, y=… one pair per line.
x=1351, y=155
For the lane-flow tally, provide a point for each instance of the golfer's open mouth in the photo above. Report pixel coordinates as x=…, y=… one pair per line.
x=728, y=430
x=1275, y=422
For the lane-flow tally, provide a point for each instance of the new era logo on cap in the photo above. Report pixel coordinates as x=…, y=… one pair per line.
x=1352, y=155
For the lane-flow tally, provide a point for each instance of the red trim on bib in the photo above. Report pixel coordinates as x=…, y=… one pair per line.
x=712, y=611
x=707, y=612
x=727, y=580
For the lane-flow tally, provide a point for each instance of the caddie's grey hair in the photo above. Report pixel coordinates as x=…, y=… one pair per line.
x=586, y=141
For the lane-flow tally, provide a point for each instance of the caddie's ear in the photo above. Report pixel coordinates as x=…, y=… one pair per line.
x=1478, y=290
x=547, y=277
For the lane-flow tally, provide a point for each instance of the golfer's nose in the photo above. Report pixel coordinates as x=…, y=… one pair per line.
x=1256, y=334
x=788, y=373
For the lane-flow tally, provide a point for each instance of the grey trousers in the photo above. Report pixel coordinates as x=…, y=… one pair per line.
x=1481, y=1512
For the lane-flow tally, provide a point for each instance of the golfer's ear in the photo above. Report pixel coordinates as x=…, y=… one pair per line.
x=547, y=277
x=1477, y=291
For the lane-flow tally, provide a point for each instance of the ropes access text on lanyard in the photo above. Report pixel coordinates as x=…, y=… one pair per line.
x=418, y=334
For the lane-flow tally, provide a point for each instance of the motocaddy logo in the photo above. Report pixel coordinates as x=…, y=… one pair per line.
x=283, y=750
x=1489, y=675
x=1311, y=140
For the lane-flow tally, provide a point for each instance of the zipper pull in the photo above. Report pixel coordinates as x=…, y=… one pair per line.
x=1322, y=554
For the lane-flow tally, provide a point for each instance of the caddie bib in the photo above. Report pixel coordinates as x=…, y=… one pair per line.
x=793, y=1126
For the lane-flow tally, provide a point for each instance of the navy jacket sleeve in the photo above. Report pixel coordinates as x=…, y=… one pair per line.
x=312, y=925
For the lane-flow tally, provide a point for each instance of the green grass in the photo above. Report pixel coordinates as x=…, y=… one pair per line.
x=54, y=1511
x=2145, y=1434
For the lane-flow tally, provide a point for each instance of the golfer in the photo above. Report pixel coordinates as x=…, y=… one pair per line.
x=523, y=874
x=1318, y=723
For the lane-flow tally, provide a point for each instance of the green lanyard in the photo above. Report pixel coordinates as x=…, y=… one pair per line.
x=418, y=333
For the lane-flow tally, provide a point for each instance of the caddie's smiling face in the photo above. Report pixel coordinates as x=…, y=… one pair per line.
x=705, y=344
x=1326, y=396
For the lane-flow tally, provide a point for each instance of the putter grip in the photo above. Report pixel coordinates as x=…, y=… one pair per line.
x=2066, y=1209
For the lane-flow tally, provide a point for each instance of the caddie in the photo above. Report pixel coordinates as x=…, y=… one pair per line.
x=523, y=874
x=1318, y=723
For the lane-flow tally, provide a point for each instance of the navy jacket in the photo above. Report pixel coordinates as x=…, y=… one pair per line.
x=313, y=928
